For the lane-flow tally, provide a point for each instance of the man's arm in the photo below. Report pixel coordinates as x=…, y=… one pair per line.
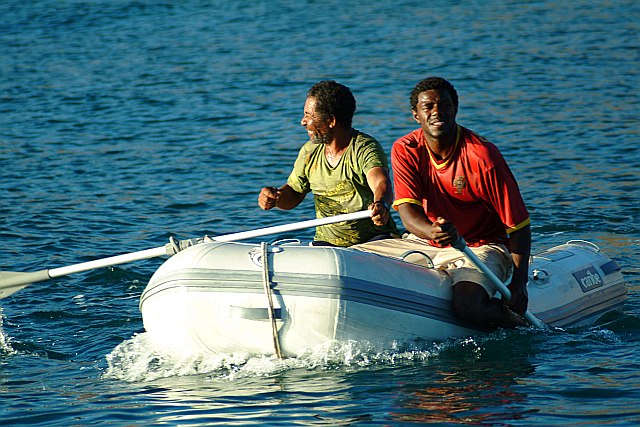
x=416, y=221
x=380, y=184
x=520, y=246
x=284, y=197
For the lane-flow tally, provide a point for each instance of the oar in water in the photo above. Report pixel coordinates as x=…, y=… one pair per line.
x=461, y=245
x=11, y=282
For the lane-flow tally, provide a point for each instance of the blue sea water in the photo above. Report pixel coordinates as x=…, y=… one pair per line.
x=124, y=122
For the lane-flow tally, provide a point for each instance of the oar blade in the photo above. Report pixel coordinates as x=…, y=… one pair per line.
x=5, y=292
x=11, y=282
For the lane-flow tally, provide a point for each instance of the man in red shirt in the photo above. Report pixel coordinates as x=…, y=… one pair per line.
x=450, y=181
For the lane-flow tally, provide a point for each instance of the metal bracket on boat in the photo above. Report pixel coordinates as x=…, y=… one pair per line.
x=540, y=277
x=255, y=254
x=174, y=246
x=406, y=254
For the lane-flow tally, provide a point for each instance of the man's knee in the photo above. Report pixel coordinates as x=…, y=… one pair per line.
x=469, y=301
x=472, y=304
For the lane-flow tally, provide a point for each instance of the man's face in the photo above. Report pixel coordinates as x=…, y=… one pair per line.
x=436, y=113
x=317, y=127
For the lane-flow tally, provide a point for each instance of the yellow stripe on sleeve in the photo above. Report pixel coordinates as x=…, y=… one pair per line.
x=523, y=224
x=401, y=201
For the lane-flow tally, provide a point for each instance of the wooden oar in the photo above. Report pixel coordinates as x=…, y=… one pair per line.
x=11, y=282
x=461, y=245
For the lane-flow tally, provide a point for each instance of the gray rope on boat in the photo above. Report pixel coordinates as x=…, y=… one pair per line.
x=267, y=290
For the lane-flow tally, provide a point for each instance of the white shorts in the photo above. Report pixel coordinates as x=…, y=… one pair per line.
x=419, y=251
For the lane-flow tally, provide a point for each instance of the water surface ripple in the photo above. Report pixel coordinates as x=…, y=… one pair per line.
x=125, y=122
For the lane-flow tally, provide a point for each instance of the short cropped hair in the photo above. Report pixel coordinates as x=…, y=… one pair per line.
x=433, y=83
x=334, y=99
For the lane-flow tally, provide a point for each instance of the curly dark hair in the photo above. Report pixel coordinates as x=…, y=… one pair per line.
x=433, y=83
x=334, y=99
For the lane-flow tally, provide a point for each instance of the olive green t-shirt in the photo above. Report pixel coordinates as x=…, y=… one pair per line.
x=343, y=189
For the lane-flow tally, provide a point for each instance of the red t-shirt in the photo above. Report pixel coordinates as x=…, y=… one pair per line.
x=473, y=188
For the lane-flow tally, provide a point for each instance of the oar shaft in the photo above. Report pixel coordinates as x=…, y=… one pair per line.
x=162, y=250
x=11, y=282
x=461, y=245
x=504, y=291
x=291, y=227
x=107, y=262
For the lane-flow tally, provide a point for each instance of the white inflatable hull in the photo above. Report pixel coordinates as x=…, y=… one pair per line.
x=210, y=298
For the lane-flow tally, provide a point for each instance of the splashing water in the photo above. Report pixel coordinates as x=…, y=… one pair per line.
x=138, y=359
x=5, y=348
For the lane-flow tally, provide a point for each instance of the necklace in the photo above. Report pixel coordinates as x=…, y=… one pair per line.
x=332, y=157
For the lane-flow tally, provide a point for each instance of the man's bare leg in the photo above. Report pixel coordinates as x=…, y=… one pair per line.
x=472, y=304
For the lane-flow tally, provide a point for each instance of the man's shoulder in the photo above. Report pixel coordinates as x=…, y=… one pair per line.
x=309, y=147
x=366, y=146
x=364, y=139
x=478, y=144
x=410, y=140
x=308, y=155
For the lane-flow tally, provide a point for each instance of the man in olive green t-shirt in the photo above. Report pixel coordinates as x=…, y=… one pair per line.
x=346, y=170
